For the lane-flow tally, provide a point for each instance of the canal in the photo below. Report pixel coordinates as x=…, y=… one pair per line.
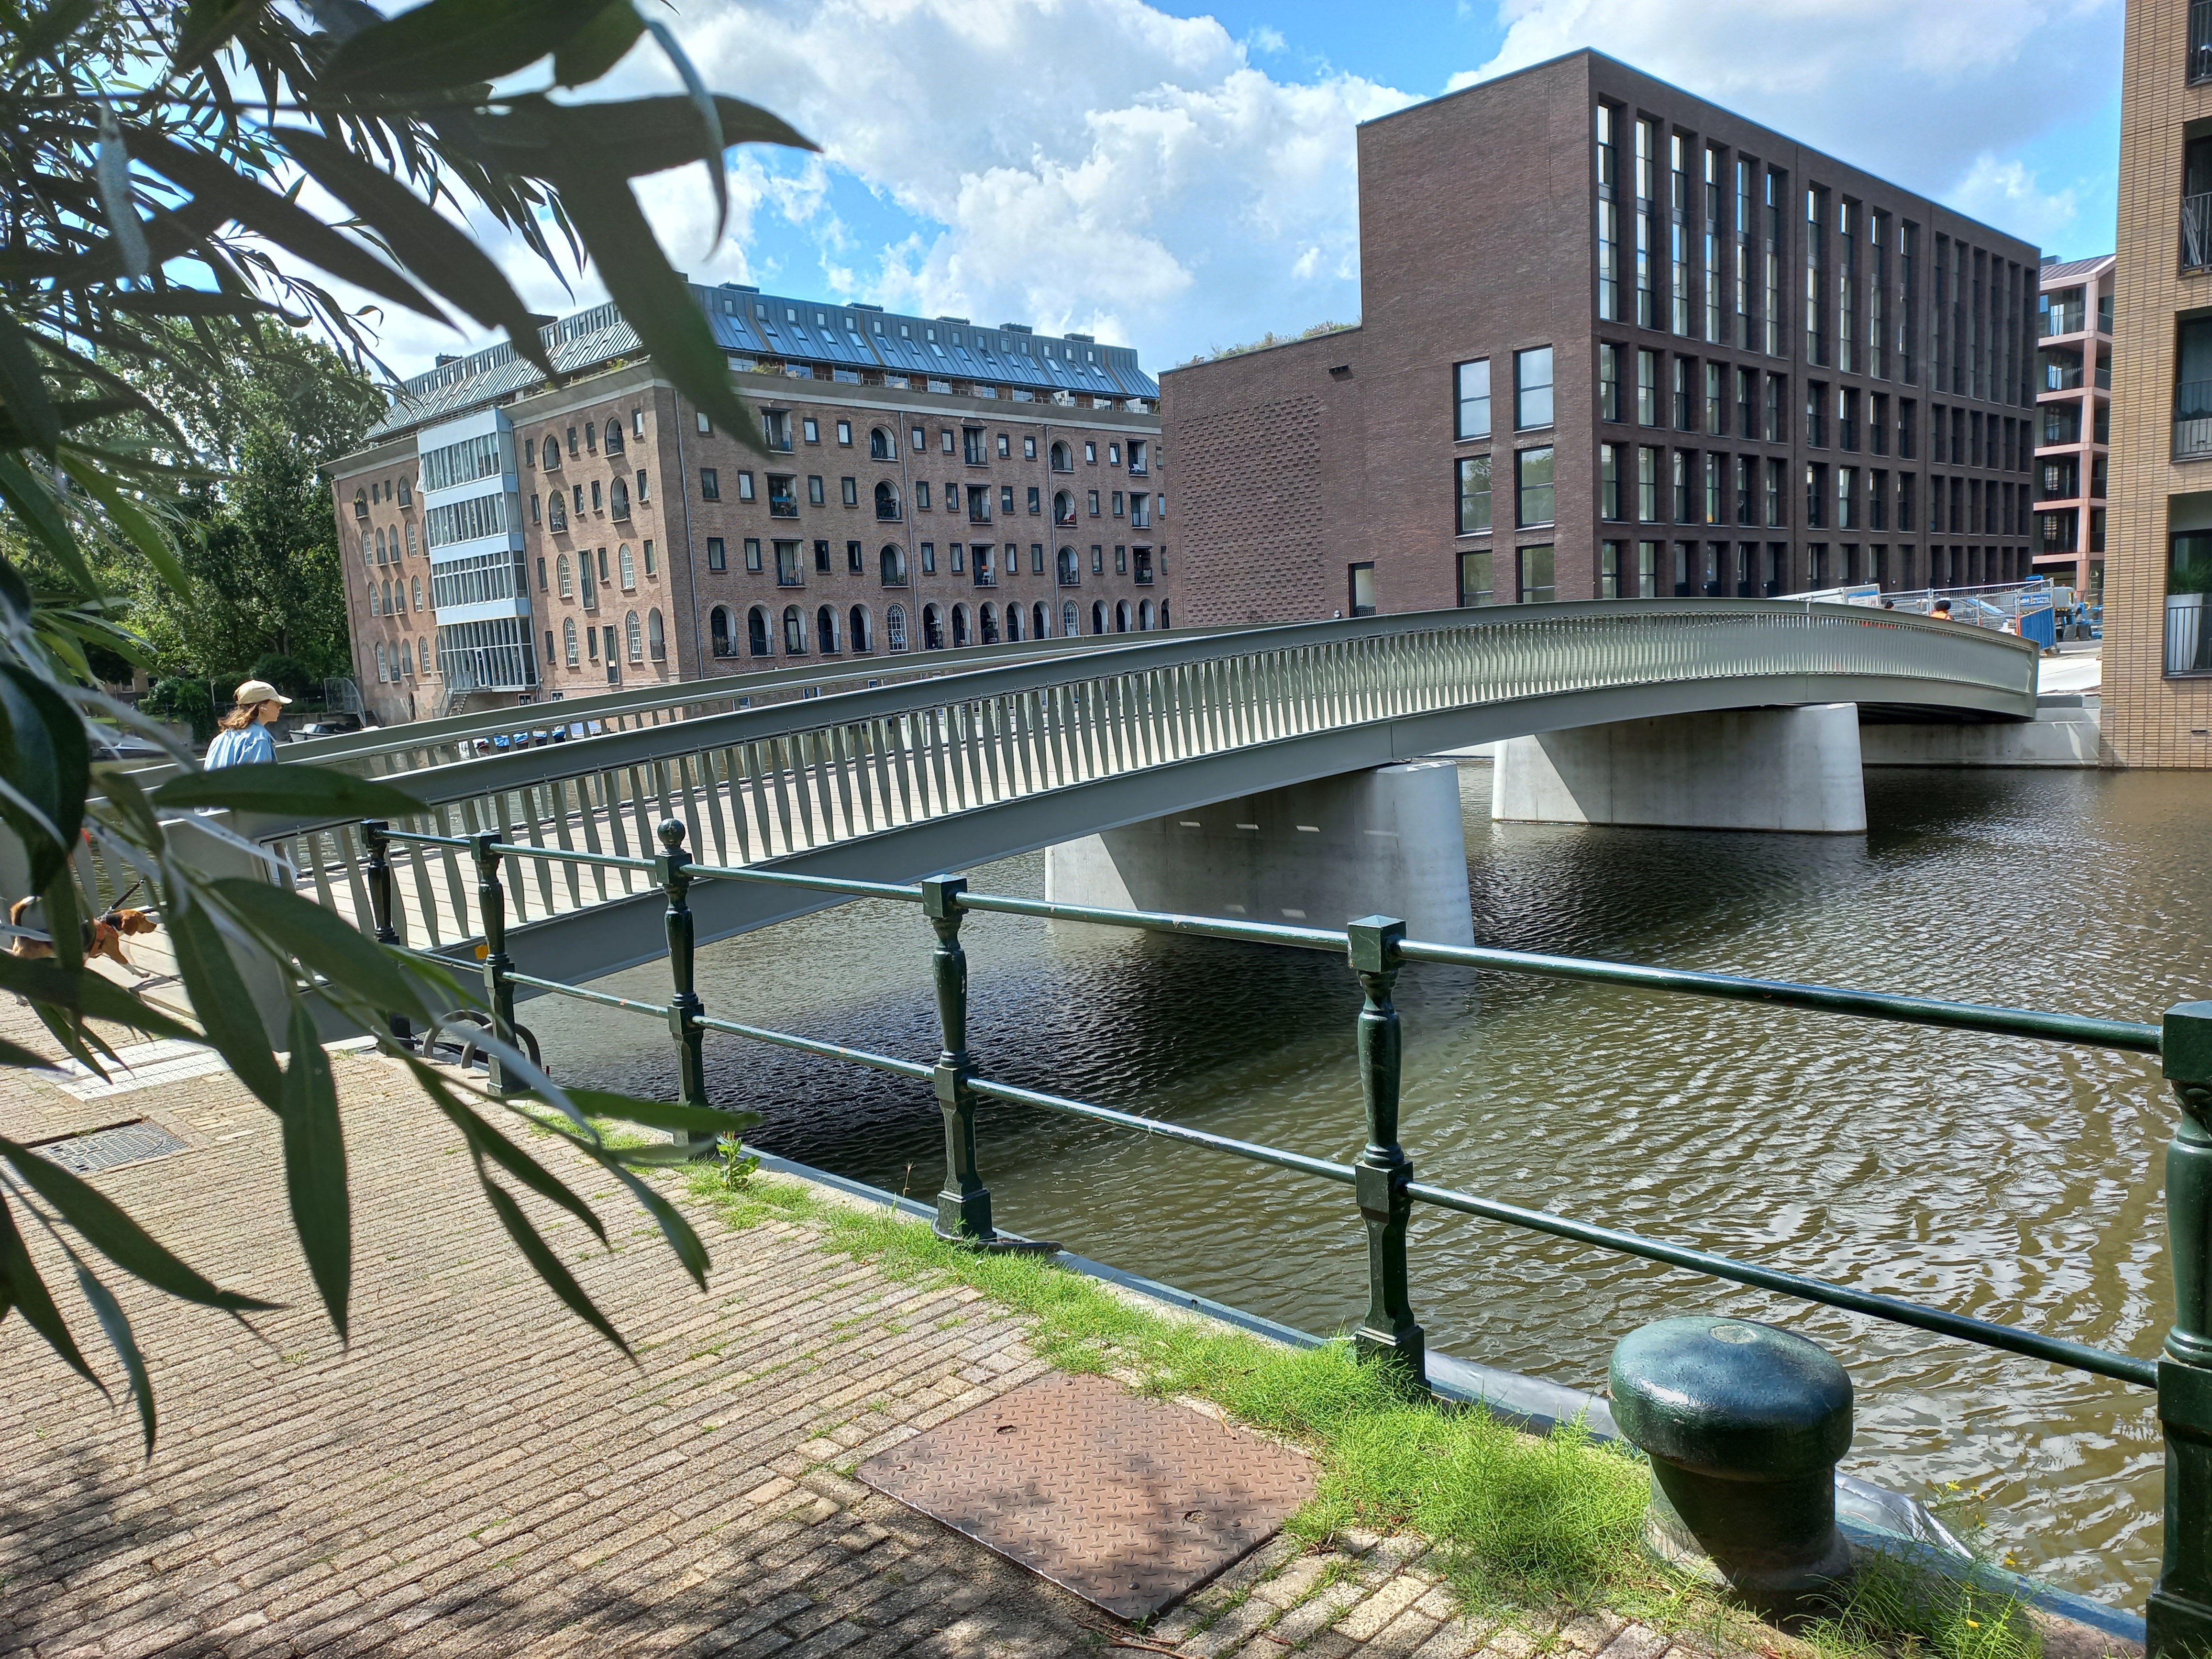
x=2013, y=1180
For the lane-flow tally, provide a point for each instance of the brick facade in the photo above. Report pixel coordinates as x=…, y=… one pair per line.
x=1478, y=240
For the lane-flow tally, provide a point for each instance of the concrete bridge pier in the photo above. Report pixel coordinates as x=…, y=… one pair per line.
x=1747, y=768
x=1389, y=842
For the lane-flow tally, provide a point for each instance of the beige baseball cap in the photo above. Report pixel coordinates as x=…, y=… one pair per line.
x=255, y=691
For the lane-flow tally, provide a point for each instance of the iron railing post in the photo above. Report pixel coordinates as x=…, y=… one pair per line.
x=1389, y=1333
x=963, y=1206
x=685, y=1007
x=2179, y=1615
x=499, y=993
x=376, y=841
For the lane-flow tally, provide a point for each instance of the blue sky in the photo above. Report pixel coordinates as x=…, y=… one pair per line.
x=1178, y=177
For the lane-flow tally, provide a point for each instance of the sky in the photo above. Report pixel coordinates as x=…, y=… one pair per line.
x=1180, y=178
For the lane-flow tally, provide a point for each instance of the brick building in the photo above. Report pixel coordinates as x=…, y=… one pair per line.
x=1617, y=341
x=927, y=484
x=2158, y=560
x=2074, y=409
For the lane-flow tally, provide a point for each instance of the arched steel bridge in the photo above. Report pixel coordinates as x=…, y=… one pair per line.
x=890, y=782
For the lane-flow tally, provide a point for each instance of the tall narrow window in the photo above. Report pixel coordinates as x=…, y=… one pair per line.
x=1473, y=388
x=1608, y=216
x=1815, y=334
x=1362, y=585
x=1532, y=388
x=1716, y=400
x=1714, y=294
x=1685, y=394
x=1714, y=462
x=1476, y=582
x=1533, y=486
x=1609, y=381
x=1537, y=585
x=1608, y=481
x=1908, y=250
x=1747, y=403
x=1474, y=495
x=1877, y=328
x=1647, y=482
x=1775, y=494
x=1685, y=505
x=1777, y=186
x=1778, y=420
x=1678, y=236
x=1847, y=281
x=1743, y=233
x=1647, y=138
x=1647, y=387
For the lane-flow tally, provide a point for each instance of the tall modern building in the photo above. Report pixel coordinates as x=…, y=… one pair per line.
x=2158, y=565
x=2073, y=411
x=1618, y=341
x=927, y=484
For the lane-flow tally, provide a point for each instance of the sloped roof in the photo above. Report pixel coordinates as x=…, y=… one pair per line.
x=2074, y=270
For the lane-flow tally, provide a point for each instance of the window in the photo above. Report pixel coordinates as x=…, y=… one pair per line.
x=1117, y=503
x=1473, y=383
x=810, y=430
x=775, y=428
x=1062, y=458
x=1362, y=580
x=536, y=515
x=1028, y=448
x=541, y=574
x=1120, y=560
x=1474, y=579
x=644, y=485
x=848, y=491
x=1685, y=394
x=745, y=486
x=1608, y=481
x=894, y=628
x=1847, y=490
x=978, y=503
x=1533, y=486
x=718, y=558
x=756, y=637
x=1847, y=417
x=1537, y=587
x=633, y=629
x=1684, y=512
x=710, y=485
x=1647, y=482
x=891, y=565
x=1878, y=500
x=614, y=436
x=628, y=568
x=1063, y=507
x=1005, y=498
x=1093, y=503
x=782, y=499
x=567, y=582
x=794, y=631
x=1608, y=569
x=1005, y=447
x=857, y=634
x=1647, y=387
x=814, y=494
x=571, y=440
x=1608, y=381
x=569, y=640
x=1035, y=499
x=1816, y=492
x=929, y=558
x=921, y=440
x=1816, y=404
x=1067, y=568
x=788, y=573
x=1473, y=493
x=1532, y=388
x=853, y=558
x=1716, y=401
x=1608, y=216
x=617, y=498
x=1137, y=463
x=971, y=447
x=821, y=555
x=825, y=630
x=845, y=435
x=1098, y=558
x=753, y=554
x=552, y=452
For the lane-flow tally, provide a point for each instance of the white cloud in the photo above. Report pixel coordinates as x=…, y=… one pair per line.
x=1932, y=96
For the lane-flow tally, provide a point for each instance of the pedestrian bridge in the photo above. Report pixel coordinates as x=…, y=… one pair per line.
x=967, y=759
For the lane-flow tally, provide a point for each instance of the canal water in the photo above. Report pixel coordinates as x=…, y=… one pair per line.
x=2015, y=1180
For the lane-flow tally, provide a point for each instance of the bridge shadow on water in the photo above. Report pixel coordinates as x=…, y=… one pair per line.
x=2014, y=1180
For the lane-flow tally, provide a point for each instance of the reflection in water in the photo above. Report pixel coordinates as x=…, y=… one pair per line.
x=2014, y=1180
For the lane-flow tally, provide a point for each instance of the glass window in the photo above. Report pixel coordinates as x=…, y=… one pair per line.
x=1474, y=579
x=1533, y=486
x=1536, y=584
x=1608, y=382
x=1473, y=493
x=1608, y=481
x=1531, y=387
x=1647, y=387
x=2188, y=579
x=1474, y=381
x=1363, y=590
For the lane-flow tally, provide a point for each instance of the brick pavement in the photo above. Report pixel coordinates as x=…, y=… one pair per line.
x=480, y=1474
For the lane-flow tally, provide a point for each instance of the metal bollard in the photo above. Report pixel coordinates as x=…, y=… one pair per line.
x=491, y=911
x=1389, y=1333
x=2179, y=1617
x=1744, y=1423
x=685, y=1007
x=963, y=1206
x=376, y=840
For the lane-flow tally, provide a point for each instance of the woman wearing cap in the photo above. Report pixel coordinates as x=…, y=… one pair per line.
x=244, y=737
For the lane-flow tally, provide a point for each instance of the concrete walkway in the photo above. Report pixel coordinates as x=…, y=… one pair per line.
x=482, y=1474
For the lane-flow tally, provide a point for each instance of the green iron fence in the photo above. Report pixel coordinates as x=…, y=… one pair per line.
x=1384, y=1189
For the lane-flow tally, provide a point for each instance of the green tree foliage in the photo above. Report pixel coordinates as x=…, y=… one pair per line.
x=153, y=245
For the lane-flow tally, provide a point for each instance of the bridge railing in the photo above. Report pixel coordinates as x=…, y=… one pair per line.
x=1384, y=1187
x=760, y=784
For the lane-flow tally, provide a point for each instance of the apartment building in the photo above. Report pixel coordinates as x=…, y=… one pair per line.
x=1618, y=341
x=2074, y=413
x=917, y=484
x=2158, y=565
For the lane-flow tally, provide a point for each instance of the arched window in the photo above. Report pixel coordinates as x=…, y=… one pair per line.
x=932, y=629
x=1040, y=622
x=360, y=503
x=423, y=650
x=1013, y=624
x=618, y=499
x=373, y=600
x=380, y=674
x=757, y=638
x=656, y=636
x=986, y=621
x=1063, y=459
x=1144, y=616
x=628, y=566
x=567, y=632
x=717, y=629
x=1069, y=569
x=633, y=633
x=887, y=504
x=894, y=628
x=557, y=511
x=564, y=577
x=1164, y=623
x=614, y=437
x=379, y=534
x=1121, y=618
x=1098, y=617
x=893, y=561
x=1063, y=508
x=856, y=627
x=552, y=452
x=403, y=660
x=794, y=631
x=959, y=624
x=879, y=445
x=418, y=592
x=825, y=629
x=1071, y=622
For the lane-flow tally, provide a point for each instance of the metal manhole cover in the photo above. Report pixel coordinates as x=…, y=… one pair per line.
x=103, y=1149
x=1131, y=1503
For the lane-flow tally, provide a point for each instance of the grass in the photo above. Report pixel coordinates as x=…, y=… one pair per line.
x=1521, y=1522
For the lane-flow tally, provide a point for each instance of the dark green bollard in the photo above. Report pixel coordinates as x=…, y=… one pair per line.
x=376, y=840
x=1388, y=1333
x=2178, y=1619
x=491, y=912
x=1744, y=1423
x=963, y=1206
x=685, y=1007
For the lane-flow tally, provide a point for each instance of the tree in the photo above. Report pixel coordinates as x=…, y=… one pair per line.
x=154, y=235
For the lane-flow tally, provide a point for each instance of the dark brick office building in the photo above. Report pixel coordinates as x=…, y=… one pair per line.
x=1618, y=341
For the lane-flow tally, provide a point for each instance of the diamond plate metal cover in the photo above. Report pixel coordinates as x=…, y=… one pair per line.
x=1131, y=1503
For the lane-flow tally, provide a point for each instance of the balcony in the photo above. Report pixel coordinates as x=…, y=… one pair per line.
x=2196, y=229
x=2192, y=421
x=2065, y=319
x=2200, y=42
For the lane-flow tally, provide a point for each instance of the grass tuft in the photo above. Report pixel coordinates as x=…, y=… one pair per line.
x=1890, y=1605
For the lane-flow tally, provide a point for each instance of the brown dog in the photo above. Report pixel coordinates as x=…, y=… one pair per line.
x=103, y=935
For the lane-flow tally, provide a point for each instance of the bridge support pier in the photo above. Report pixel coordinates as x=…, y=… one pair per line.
x=1390, y=840
x=1747, y=768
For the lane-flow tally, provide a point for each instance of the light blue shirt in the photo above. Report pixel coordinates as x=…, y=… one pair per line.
x=244, y=747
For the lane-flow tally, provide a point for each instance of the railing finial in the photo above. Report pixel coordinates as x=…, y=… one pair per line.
x=671, y=834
